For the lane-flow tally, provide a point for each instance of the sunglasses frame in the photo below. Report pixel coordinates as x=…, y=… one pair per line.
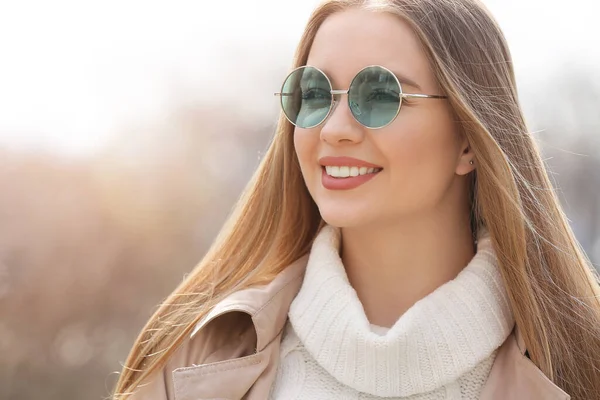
x=335, y=92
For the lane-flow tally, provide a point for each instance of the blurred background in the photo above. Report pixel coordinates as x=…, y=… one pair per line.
x=128, y=129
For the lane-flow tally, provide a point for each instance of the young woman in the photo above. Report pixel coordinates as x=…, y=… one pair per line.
x=400, y=239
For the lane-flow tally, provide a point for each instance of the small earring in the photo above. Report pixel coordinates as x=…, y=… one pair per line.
x=471, y=162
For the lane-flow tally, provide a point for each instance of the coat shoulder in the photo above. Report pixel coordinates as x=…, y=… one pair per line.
x=515, y=376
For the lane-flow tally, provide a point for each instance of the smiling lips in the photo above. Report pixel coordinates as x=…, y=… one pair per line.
x=345, y=173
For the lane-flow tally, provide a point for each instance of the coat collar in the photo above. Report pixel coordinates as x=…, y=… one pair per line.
x=267, y=305
x=513, y=375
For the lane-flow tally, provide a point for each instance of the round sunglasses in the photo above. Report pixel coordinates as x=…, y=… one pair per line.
x=374, y=97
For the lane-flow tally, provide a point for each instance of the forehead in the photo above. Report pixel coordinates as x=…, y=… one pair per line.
x=349, y=40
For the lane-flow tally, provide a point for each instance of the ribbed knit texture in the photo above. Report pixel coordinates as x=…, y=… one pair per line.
x=443, y=347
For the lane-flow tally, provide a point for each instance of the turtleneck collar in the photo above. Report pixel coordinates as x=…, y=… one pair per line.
x=436, y=341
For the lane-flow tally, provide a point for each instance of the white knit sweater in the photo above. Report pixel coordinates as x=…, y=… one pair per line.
x=443, y=347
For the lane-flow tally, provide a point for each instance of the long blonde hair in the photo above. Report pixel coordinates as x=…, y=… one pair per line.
x=552, y=287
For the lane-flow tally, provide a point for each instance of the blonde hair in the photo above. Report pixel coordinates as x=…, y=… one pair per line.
x=552, y=287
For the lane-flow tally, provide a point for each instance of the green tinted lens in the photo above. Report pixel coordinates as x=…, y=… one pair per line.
x=374, y=97
x=306, y=97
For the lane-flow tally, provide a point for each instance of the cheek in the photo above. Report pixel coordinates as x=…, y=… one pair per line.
x=422, y=153
x=305, y=144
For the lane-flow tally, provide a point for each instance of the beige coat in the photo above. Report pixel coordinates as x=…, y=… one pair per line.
x=234, y=351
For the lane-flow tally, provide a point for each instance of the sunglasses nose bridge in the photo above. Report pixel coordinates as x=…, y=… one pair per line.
x=337, y=92
x=334, y=94
x=335, y=102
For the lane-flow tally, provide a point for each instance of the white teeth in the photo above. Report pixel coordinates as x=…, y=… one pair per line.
x=346, y=171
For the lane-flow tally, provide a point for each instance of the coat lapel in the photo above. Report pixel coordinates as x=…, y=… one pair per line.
x=230, y=379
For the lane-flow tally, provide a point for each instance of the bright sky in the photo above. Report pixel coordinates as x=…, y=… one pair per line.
x=72, y=72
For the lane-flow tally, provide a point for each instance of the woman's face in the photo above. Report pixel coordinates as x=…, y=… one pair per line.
x=421, y=154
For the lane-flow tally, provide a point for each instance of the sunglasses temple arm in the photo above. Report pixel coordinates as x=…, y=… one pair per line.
x=424, y=96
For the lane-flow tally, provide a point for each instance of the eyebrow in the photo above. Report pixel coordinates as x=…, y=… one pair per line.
x=402, y=78
x=309, y=75
x=406, y=81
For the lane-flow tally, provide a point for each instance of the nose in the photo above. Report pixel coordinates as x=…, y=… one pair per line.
x=340, y=126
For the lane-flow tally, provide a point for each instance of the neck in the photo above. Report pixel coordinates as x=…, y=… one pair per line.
x=392, y=266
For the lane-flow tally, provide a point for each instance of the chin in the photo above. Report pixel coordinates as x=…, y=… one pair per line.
x=342, y=218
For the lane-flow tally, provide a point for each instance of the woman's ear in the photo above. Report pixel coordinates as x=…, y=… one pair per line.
x=466, y=159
